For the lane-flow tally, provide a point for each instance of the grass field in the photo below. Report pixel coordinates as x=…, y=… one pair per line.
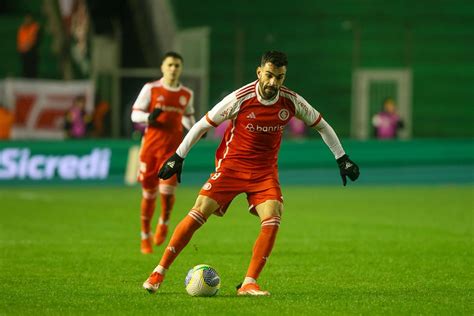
x=354, y=250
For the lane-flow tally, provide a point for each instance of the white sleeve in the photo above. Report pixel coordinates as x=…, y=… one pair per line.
x=224, y=110
x=189, y=110
x=140, y=107
x=188, y=121
x=330, y=138
x=305, y=112
x=192, y=137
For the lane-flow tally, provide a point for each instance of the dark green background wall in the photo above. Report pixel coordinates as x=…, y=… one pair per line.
x=434, y=38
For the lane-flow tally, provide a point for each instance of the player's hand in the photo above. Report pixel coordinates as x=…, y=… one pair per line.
x=347, y=168
x=172, y=166
x=153, y=116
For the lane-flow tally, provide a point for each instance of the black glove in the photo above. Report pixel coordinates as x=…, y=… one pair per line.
x=348, y=168
x=153, y=116
x=172, y=166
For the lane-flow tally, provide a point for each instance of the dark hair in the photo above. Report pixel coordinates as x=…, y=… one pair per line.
x=279, y=59
x=173, y=55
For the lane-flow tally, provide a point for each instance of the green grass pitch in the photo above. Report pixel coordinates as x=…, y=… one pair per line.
x=354, y=250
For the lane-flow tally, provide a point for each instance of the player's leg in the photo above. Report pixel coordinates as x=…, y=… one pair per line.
x=167, y=190
x=147, y=177
x=202, y=209
x=269, y=213
x=147, y=207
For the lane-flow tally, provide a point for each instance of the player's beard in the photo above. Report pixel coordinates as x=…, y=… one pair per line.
x=268, y=92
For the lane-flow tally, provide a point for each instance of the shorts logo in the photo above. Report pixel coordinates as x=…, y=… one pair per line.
x=183, y=100
x=283, y=114
x=207, y=186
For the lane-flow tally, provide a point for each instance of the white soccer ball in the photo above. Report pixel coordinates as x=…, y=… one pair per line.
x=202, y=280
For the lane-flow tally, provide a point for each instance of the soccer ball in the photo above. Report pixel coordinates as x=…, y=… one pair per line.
x=202, y=280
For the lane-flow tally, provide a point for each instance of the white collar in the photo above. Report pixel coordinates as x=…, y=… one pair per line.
x=170, y=88
x=262, y=100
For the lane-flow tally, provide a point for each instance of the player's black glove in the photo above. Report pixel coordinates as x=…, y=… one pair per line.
x=347, y=168
x=172, y=166
x=153, y=116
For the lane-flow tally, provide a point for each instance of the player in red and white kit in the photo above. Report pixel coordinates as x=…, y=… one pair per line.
x=166, y=106
x=246, y=162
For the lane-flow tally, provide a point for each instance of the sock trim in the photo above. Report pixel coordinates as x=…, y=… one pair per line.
x=272, y=221
x=197, y=216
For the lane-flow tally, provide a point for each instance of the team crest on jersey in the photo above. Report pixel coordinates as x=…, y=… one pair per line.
x=183, y=100
x=207, y=186
x=283, y=114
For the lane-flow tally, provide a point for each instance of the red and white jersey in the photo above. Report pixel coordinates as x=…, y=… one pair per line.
x=175, y=102
x=252, y=140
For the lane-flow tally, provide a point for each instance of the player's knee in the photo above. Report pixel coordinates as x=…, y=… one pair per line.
x=149, y=194
x=167, y=189
x=205, y=205
x=269, y=208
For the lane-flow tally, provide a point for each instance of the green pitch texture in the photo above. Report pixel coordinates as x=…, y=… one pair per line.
x=354, y=250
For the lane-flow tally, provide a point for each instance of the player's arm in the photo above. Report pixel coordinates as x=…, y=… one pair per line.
x=188, y=119
x=313, y=118
x=140, y=112
x=219, y=113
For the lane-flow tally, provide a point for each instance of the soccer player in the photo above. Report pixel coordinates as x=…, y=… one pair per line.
x=165, y=106
x=246, y=162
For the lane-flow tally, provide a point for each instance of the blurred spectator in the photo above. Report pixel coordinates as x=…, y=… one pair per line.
x=6, y=122
x=77, y=120
x=387, y=122
x=99, y=119
x=296, y=128
x=27, y=46
x=219, y=131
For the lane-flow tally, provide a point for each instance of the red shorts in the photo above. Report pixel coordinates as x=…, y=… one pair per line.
x=148, y=173
x=224, y=186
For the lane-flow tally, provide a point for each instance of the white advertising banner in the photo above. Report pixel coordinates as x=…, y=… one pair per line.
x=40, y=106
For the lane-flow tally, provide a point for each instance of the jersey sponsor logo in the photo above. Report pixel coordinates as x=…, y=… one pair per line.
x=17, y=163
x=251, y=116
x=207, y=186
x=264, y=129
x=283, y=114
x=183, y=100
x=304, y=108
x=168, y=108
x=160, y=98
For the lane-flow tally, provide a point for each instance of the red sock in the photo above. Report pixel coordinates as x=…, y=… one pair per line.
x=181, y=236
x=167, y=202
x=263, y=246
x=147, y=209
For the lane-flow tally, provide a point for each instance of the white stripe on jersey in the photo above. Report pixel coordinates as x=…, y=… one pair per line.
x=227, y=145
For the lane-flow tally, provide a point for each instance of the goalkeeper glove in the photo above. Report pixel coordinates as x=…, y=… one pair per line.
x=347, y=168
x=153, y=116
x=172, y=166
